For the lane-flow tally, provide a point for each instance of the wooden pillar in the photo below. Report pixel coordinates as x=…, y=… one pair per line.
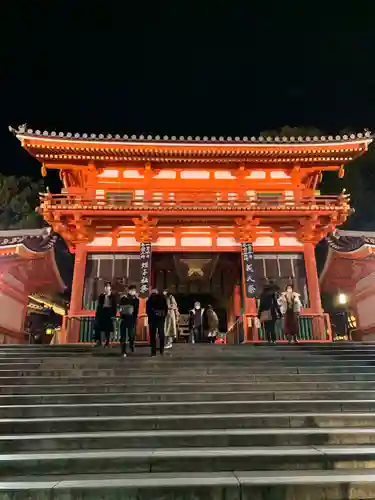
x=237, y=301
x=77, y=291
x=314, y=290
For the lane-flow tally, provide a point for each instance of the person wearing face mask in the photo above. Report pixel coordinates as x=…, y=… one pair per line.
x=105, y=312
x=290, y=305
x=129, y=307
x=196, y=323
x=171, y=320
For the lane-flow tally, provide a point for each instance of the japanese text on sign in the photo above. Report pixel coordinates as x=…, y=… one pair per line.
x=248, y=269
x=145, y=263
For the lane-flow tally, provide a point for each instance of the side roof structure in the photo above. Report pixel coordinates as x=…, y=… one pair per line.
x=30, y=254
x=351, y=256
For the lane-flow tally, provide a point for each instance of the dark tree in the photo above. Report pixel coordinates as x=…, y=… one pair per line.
x=18, y=200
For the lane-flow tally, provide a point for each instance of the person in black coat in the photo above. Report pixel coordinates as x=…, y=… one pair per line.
x=105, y=312
x=269, y=311
x=156, y=310
x=197, y=323
x=129, y=307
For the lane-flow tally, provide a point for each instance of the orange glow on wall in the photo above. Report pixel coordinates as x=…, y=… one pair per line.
x=226, y=241
x=101, y=241
x=195, y=174
x=166, y=174
x=196, y=241
x=126, y=241
x=165, y=241
x=132, y=174
x=264, y=241
x=108, y=174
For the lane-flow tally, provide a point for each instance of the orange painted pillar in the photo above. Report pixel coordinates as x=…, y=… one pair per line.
x=314, y=290
x=77, y=291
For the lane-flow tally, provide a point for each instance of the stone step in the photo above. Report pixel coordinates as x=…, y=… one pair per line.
x=161, y=379
x=186, y=459
x=170, y=386
x=183, y=407
x=193, y=353
x=355, y=484
x=233, y=372
x=133, y=364
x=196, y=395
x=187, y=438
x=188, y=421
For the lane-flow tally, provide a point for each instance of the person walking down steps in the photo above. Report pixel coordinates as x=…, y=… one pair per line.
x=156, y=310
x=129, y=307
x=105, y=313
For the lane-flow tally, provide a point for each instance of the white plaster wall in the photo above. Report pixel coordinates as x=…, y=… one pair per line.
x=11, y=313
x=11, y=280
x=364, y=283
x=366, y=311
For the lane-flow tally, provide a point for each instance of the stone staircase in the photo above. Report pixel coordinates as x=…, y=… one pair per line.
x=205, y=422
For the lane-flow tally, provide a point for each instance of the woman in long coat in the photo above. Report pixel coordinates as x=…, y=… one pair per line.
x=171, y=320
x=290, y=305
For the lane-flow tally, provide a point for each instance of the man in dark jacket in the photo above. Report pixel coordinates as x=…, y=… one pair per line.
x=157, y=310
x=105, y=312
x=129, y=307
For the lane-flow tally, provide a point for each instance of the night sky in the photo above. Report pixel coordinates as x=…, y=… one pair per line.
x=180, y=68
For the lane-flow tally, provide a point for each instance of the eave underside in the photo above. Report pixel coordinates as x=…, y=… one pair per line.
x=37, y=270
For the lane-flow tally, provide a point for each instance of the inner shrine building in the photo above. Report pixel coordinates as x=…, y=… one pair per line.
x=194, y=203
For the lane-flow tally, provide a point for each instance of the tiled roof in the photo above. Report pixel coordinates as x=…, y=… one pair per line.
x=37, y=240
x=349, y=241
x=27, y=132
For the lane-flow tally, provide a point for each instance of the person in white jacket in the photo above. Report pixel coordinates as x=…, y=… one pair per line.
x=290, y=306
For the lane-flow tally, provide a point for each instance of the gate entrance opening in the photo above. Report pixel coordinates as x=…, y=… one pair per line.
x=209, y=278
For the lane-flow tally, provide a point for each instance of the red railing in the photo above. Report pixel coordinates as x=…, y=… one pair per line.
x=205, y=200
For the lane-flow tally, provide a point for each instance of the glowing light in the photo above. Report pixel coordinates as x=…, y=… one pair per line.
x=342, y=299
